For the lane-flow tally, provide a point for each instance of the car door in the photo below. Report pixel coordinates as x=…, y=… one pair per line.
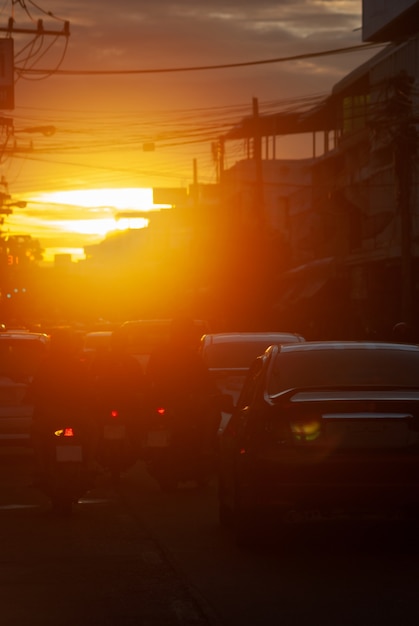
x=237, y=431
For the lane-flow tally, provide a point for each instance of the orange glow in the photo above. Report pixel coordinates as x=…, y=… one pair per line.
x=136, y=198
x=102, y=206
x=66, y=221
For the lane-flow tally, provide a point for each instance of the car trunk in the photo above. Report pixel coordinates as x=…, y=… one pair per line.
x=346, y=447
x=15, y=413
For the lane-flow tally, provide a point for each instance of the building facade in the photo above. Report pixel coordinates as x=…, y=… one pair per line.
x=351, y=220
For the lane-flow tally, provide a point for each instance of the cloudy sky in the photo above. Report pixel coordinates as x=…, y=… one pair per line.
x=135, y=73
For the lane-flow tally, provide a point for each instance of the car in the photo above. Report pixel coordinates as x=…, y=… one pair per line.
x=21, y=352
x=228, y=356
x=143, y=336
x=95, y=342
x=322, y=431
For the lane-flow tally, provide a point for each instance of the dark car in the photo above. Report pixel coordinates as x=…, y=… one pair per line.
x=21, y=352
x=229, y=355
x=144, y=336
x=323, y=431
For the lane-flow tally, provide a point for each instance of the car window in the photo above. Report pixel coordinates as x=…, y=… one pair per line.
x=234, y=354
x=143, y=336
x=344, y=367
x=251, y=383
x=94, y=341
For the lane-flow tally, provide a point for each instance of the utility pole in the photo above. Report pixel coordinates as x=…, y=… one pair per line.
x=39, y=30
x=257, y=157
x=195, y=186
x=218, y=150
x=7, y=56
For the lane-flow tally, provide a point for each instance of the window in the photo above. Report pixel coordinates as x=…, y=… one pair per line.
x=251, y=383
x=355, y=112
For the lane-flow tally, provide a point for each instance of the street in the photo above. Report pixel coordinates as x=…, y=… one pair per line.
x=98, y=567
x=146, y=557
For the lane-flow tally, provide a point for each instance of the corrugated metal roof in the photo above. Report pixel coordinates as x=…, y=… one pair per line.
x=320, y=118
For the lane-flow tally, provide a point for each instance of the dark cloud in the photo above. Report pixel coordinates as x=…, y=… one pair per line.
x=140, y=33
x=177, y=33
x=136, y=34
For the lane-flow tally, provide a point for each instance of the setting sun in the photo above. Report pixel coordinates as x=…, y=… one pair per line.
x=66, y=221
x=136, y=198
x=102, y=206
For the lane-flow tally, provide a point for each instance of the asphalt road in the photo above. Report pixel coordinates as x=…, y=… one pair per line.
x=99, y=567
x=328, y=576
x=145, y=557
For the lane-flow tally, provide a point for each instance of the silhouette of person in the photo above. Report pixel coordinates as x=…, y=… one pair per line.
x=177, y=374
x=60, y=393
x=118, y=383
x=117, y=375
x=176, y=368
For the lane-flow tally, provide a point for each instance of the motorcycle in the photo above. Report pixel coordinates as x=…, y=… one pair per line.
x=176, y=443
x=64, y=467
x=116, y=447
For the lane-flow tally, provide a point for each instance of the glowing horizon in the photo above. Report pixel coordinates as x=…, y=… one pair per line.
x=136, y=198
x=79, y=217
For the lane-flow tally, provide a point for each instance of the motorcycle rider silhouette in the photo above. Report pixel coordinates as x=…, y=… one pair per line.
x=118, y=388
x=60, y=392
x=180, y=381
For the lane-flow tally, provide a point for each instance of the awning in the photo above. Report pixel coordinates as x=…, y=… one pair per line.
x=305, y=281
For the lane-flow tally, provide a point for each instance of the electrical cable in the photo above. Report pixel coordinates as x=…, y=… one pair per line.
x=296, y=57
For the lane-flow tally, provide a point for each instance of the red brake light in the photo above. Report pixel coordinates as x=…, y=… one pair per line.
x=161, y=410
x=68, y=432
x=114, y=413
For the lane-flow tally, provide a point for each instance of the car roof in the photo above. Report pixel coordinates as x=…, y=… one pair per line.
x=240, y=337
x=157, y=322
x=347, y=345
x=23, y=335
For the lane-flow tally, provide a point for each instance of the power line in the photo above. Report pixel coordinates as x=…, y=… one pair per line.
x=297, y=57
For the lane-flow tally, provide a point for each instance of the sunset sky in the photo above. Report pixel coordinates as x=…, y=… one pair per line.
x=135, y=72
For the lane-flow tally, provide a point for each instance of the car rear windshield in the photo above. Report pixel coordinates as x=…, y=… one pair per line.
x=345, y=367
x=235, y=354
x=97, y=341
x=143, y=336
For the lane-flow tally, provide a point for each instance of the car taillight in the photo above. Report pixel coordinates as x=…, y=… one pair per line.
x=305, y=429
x=64, y=432
x=114, y=413
x=161, y=410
